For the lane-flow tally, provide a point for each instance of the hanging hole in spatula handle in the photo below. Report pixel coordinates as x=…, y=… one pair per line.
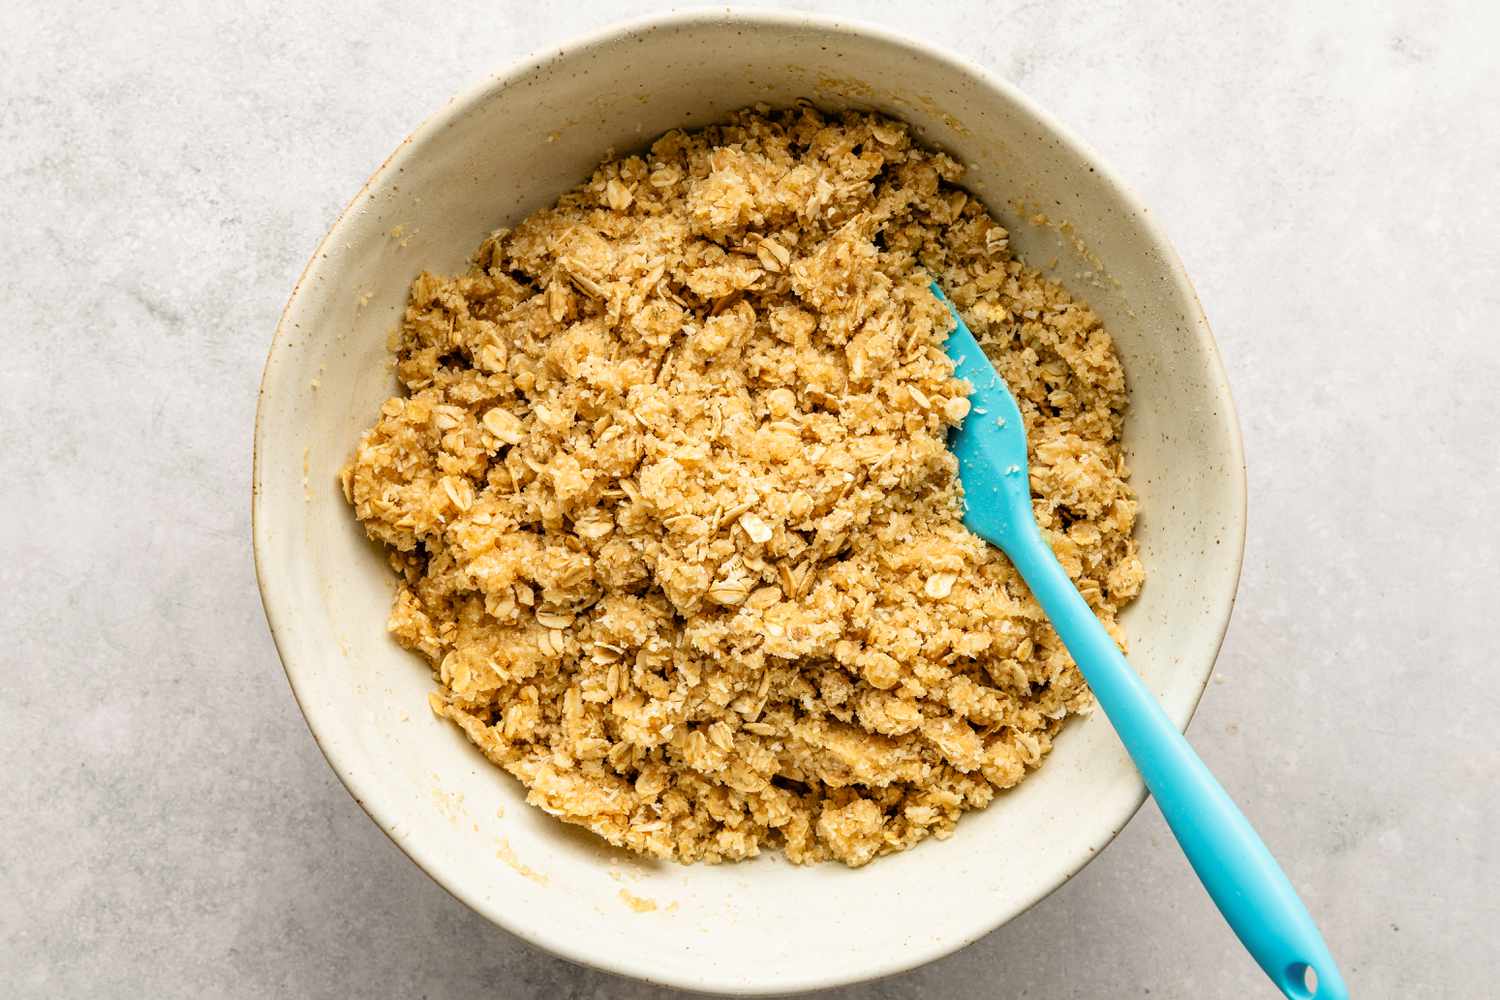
x=1301, y=981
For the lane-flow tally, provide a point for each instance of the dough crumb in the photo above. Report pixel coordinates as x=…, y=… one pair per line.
x=639, y=904
x=505, y=853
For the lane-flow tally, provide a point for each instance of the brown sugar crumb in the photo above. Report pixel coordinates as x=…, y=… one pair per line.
x=668, y=494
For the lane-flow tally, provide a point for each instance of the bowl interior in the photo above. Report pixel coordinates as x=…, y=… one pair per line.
x=513, y=145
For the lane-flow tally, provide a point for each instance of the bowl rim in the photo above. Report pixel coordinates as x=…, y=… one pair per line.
x=365, y=790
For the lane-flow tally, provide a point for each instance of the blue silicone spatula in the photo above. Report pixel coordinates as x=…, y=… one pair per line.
x=1245, y=882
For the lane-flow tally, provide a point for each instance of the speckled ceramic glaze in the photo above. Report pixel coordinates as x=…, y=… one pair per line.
x=512, y=145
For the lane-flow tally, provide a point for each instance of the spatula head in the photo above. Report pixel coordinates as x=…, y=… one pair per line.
x=990, y=444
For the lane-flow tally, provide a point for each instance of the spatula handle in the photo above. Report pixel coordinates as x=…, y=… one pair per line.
x=1245, y=882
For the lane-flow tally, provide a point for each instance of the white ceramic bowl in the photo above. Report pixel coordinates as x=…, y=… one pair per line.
x=512, y=145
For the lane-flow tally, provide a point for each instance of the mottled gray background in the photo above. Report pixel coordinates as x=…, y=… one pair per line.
x=169, y=829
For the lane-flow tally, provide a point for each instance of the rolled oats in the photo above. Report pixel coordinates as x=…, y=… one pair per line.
x=675, y=525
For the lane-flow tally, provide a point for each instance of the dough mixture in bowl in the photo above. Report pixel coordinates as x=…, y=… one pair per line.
x=668, y=494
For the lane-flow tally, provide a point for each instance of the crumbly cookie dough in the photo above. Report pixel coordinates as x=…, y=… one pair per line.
x=674, y=520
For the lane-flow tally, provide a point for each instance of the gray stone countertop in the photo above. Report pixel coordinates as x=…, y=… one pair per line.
x=1329, y=175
